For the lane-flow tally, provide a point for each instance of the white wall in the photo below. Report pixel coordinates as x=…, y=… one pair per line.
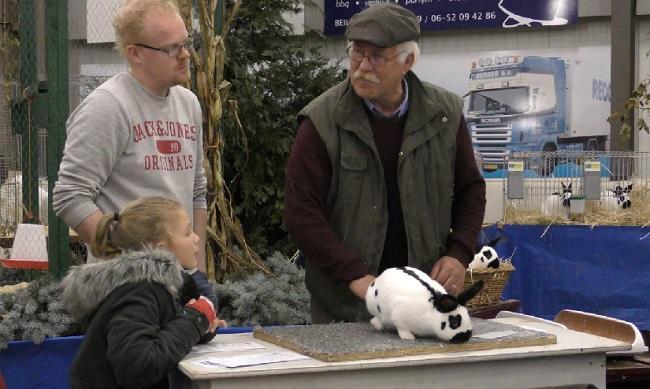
x=297, y=21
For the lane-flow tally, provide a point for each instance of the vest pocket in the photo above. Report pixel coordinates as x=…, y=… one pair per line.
x=354, y=162
x=351, y=176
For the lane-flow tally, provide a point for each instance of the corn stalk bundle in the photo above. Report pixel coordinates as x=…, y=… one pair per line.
x=225, y=236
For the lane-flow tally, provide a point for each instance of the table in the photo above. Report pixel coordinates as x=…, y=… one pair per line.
x=626, y=372
x=577, y=358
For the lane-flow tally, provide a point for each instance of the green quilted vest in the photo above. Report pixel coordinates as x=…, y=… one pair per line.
x=356, y=201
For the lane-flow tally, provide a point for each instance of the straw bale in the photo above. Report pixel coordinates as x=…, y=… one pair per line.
x=595, y=214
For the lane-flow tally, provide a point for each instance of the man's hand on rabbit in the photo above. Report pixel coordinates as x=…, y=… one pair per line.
x=360, y=285
x=450, y=273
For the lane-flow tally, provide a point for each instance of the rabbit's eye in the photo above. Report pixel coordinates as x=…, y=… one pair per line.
x=455, y=321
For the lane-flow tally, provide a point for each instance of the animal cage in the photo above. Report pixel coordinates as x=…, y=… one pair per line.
x=12, y=183
x=553, y=180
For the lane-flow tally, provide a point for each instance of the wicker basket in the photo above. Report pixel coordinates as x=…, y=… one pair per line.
x=495, y=280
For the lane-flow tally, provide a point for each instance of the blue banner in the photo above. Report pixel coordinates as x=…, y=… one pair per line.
x=602, y=269
x=455, y=14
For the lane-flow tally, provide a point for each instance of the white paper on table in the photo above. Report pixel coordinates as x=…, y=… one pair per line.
x=495, y=334
x=252, y=360
x=214, y=347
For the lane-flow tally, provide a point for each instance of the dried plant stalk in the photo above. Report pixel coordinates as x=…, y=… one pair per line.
x=224, y=230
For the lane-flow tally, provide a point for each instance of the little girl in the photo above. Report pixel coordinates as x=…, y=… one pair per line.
x=136, y=328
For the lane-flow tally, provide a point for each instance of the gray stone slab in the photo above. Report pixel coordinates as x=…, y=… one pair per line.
x=354, y=341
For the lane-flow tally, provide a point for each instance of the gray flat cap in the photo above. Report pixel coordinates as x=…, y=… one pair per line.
x=383, y=25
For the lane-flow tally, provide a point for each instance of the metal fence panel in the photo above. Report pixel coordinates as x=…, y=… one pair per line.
x=555, y=180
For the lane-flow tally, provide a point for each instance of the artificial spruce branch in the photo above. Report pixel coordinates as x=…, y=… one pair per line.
x=34, y=313
x=258, y=299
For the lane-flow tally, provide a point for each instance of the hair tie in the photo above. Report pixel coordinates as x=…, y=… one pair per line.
x=116, y=217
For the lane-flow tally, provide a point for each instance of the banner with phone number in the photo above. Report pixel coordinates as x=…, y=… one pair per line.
x=459, y=14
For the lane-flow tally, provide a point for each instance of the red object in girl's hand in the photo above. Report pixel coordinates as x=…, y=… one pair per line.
x=204, y=306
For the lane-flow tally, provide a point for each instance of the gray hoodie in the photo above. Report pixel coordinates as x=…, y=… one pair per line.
x=123, y=143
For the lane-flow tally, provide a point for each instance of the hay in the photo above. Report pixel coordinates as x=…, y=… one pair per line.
x=637, y=215
x=594, y=215
x=13, y=288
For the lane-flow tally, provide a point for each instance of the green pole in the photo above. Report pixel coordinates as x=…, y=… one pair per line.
x=57, y=113
x=25, y=108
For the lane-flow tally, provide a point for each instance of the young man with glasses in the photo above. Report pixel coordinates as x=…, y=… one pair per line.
x=381, y=173
x=140, y=132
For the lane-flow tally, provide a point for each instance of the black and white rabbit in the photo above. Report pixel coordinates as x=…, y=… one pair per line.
x=408, y=300
x=558, y=203
x=617, y=198
x=486, y=256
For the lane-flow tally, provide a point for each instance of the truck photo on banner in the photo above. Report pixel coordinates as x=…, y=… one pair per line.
x=528, y=100
x=454, y=14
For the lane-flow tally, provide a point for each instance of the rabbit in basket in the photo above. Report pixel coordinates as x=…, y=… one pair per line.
x=408, y=300
x=486, y=256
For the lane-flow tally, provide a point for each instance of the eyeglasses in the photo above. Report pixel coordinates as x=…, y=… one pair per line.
x=173, y=50
x=375, y=60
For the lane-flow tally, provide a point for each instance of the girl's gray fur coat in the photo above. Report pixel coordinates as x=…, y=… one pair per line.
x=86, y=286
x=136, y=332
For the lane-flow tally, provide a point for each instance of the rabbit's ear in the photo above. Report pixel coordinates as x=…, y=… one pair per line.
x=445, y=303
x=628, y=189
x=470, y=292
x=494, y=241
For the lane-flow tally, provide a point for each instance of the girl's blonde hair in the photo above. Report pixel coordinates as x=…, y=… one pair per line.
x=128, y=22
x=143, y=222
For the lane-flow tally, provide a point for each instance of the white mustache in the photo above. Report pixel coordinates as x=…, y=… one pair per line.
x=359, y=75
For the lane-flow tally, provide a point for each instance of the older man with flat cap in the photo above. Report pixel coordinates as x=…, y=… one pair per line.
x=381, y=173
